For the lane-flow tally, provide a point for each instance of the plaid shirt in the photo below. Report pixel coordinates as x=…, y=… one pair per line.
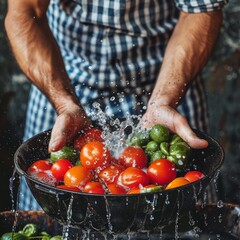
x=112, y=52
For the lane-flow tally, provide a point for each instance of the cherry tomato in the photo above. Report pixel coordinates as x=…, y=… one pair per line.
x=78, y=176
x=177, y=182
x=133, y=157
x=46, y=177
x=94, y=187
x=69, y=188
x=132, y=177
x=60, y=167
x=94, y=155
x=90, y=135
x=110, y=173
x=39, y=166
x=113, y=188
x=193, y=176
x=161, y=172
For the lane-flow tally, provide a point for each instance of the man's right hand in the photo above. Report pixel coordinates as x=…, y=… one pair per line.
x=70, y=120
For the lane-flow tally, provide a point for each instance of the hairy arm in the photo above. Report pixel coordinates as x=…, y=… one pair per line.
x=38, y=55
x=187, y=52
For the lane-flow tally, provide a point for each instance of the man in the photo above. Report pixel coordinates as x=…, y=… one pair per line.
x=126, y=55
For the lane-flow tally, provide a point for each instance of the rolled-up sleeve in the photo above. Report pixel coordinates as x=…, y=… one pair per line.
x=197, y=6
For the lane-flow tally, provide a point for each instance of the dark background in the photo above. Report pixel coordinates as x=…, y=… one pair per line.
x=221, y=76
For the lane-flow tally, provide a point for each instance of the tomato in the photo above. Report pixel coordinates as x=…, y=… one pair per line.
x=94, y=187
x=193, y=176
x=94, y=155
x=60, y=167
x=133, y=157
x=69, y=188
x=177, y=182
x=90, y=135
x=113, y=188
x=110, y=173
x=78, y=176
x=39, y=166
x=46, y=177
x=132, y=177
x=161, y=172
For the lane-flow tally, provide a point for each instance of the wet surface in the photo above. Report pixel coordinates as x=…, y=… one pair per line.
x=222, y=78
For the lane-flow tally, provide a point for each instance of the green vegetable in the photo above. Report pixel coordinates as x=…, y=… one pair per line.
x=152, y=189
x=13, y=236
x=179, y=153
x=152, y=146
x=164, y=147
x=30, y=230
x=175, y=139
x=67, y=152
x=159, y=133
x=157, y=155
x=140, y=138
x=56, y=238
x=78, y=163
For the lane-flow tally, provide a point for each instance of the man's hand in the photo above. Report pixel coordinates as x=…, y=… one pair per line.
x=169, y=117
x=187, y=52
x=71, y=120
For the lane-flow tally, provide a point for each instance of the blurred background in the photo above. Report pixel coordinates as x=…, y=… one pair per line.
x=221, y=76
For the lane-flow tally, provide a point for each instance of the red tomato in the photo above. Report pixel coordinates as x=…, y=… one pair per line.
x=94, y=155
x=177, y=182
x=90, y=135
x=110, y=174
x=113, y=188
x=69, y=188
x=46, y=177
x=39, y=166
x=132, y=177
x=60, y=167
x=78, y=176
x=193, y=176
x=94, y=187
x=161, y=172
x=133, y=157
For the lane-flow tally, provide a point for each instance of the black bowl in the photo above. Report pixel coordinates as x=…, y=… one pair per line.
x=117, y=213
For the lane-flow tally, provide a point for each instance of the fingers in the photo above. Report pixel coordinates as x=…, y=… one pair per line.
x=61, y=132
x=175, y=122
x=65, y=127
x=185, y=132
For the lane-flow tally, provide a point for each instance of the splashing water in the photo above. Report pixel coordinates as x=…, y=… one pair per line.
x=115, y=130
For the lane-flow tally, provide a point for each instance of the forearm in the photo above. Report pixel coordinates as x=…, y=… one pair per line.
x=38, y=55
x=188, y=50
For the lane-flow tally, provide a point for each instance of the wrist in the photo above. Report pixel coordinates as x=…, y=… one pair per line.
x=163, y=100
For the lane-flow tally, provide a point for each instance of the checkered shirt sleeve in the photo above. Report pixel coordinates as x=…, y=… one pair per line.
x=198, y=6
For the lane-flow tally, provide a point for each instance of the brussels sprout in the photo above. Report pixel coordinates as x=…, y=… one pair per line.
x=157, y=155
x=140, y=138
x=30, y=230
x=164, y=147
x=152, y=146
x=67, y=152
x=179, y=153
x=180, y=148
x=13, y=236
x=159, y=133
x=175, y=139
